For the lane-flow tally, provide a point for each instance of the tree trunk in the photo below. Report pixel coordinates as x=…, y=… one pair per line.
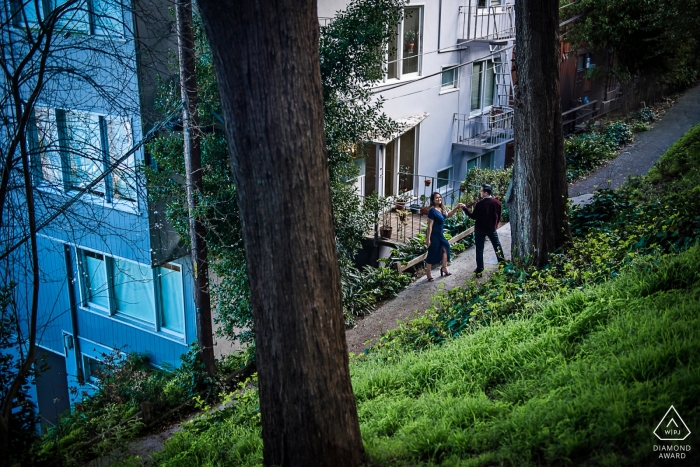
x=538, y=209
x=193, y=170
x=266, y=58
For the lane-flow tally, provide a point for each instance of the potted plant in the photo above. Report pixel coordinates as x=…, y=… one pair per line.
x=384, y=209
x=409, y=38
x=424, y=209
x=414, y=208
x=427, y=182
x=401, y=201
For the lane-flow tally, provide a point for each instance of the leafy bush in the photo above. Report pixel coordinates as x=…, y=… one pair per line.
x=585, y=152
x=499, y=180
x=618, y=134
x=125, y=382
x=645, y=114
x=638, y=127
x=364, y=288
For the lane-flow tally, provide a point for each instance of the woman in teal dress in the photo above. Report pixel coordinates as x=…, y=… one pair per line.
x=438, y=246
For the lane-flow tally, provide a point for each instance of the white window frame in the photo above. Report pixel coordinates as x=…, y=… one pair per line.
x=438, y=187
x=399, y=48
x=112, y=312
x=455, y=81
x=92, y=27
x=64, y=184
x=483, y=108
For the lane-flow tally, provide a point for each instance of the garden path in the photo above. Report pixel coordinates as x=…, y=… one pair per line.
x=647, y=147
x=417, y=296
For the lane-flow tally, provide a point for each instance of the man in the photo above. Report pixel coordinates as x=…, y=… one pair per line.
x=487, y=214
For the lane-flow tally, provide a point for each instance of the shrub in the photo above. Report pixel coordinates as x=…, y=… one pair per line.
x=499, y=180
x=363, y=288
x=618, y=134
x=645, y=114
x=585, y=152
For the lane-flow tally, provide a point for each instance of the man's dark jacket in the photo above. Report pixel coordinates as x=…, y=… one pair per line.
x=487, y=213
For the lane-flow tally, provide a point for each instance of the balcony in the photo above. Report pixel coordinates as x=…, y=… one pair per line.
x=481, y=133
x=494, y=24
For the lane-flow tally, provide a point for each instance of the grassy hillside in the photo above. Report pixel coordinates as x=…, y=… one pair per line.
x=585, y=380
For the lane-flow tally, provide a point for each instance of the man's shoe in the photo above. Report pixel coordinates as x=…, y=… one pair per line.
x=502, y=260
x=478, y=271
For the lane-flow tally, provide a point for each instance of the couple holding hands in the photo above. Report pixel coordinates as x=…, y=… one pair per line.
x=486, y=213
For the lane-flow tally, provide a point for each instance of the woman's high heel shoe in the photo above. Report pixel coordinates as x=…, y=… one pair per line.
x=443, y=272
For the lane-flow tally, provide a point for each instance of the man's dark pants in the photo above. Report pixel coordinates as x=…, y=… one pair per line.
x=479, y=239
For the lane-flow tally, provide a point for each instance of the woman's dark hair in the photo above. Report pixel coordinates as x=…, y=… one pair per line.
x=442, y=202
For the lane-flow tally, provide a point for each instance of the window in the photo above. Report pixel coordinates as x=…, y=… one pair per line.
x=96, y=286
x=127, y=289
x=449, y=77
x=406, y=45
x=483, y=85
x=443, y=178
x=94, y=369
x=73, y=148
x=484, y=161
x=483, y=3
x=81, y=145
x=94, y=17
x=44, y=144
x=133, y=290
x=171, y=299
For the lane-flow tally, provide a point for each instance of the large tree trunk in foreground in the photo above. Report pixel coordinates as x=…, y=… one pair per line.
x=537, y=207
x=267, y=65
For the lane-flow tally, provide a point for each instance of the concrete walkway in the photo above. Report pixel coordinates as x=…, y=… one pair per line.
x=416, y=297
x=648, y=146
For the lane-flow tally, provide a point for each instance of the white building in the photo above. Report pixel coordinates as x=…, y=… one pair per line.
x=449, y=82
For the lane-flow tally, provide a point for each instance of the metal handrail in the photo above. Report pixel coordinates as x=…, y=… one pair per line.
x=495, y=22
x=485, y=130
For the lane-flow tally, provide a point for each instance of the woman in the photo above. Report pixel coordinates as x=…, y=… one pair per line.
x=438, y=246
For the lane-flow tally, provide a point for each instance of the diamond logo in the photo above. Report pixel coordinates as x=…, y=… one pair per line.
x=672, y=427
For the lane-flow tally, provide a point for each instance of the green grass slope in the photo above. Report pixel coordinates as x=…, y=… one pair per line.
x=584, y=381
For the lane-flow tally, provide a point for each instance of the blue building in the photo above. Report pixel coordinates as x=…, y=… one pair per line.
x=112, y=272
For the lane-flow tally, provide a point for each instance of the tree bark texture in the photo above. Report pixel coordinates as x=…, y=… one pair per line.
x=266, y=59
x=538, y=203
x=193, y=170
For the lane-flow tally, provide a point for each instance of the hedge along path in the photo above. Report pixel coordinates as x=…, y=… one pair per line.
x=416, y=298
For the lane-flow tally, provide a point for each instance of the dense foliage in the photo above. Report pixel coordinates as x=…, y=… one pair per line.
x=123, y=383
x=351, y=58
x=659, y=39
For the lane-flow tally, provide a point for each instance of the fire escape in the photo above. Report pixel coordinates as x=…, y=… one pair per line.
x=488, y=23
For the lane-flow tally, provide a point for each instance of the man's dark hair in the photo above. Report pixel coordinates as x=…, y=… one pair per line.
x=487, y=188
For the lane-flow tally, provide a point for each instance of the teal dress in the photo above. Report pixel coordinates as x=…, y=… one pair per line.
x=438, y=242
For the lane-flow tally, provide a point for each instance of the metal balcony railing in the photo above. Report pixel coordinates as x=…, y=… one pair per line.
x=492, y=23
x=486, y=130
x=406, y=213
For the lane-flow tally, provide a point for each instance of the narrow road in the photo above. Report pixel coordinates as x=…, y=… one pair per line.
x=648, y=146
